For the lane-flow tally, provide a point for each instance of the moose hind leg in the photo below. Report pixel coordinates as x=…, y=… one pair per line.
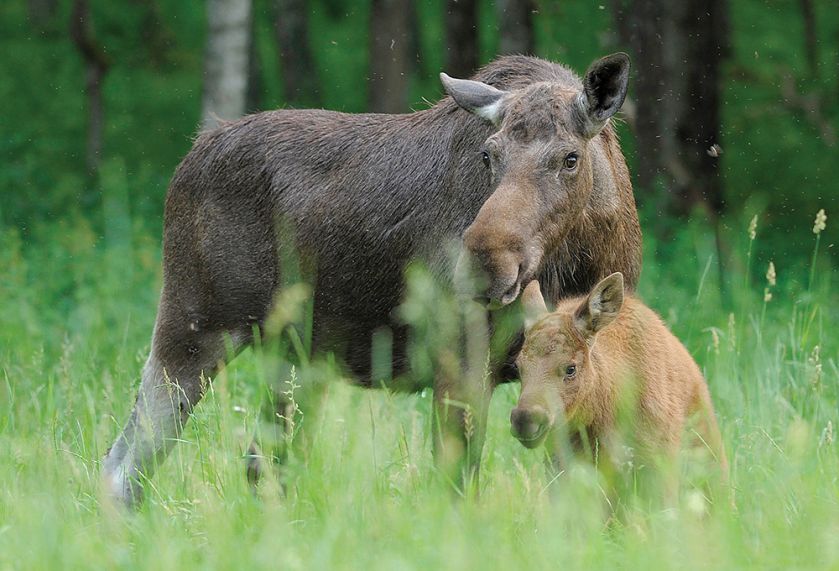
x=173, y=381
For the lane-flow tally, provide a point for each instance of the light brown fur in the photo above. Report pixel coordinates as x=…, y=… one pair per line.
x=623, y=356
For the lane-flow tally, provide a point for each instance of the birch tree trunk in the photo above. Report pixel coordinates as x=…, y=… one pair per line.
x=226, y=61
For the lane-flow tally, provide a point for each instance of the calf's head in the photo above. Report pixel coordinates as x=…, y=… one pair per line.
x=554, y=363
x=540, y=165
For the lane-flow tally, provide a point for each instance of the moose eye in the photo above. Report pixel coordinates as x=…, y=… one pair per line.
x=570, y=161
x=570, y=371
x=485, y=158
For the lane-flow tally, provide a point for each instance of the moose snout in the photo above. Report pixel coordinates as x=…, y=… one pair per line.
x=494, y=273
x=529, y=425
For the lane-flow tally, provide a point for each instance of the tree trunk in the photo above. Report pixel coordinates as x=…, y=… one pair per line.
x=810, y=40
x=678, y=48
x=515, y=25
x=461, y=37
x=96, y=67
x=300, y=81
x=641, y=25
x=390, y=54
x=226, y=61
x=677, y=52
x=157, y=37
x=698, y=123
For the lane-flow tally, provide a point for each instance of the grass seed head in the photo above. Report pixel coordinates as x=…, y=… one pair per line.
x=469, y=423
x=770, y=274
x=753, y=227
x=816, y=367
x=732, y=331
x=715, y=339
x=819, y=224
x=827, y=434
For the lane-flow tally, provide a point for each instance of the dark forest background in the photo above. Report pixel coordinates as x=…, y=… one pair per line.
x=733, y=107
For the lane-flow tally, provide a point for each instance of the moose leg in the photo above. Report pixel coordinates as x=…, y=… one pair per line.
x=274, y=433
x=183, y=357
x=459, y=425
x=288, y=418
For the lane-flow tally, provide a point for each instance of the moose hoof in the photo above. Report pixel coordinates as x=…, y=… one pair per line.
x=255, y=465
x=120, y=489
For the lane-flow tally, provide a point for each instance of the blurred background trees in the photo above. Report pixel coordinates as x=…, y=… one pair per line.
x=678, y=50
x=227, y=61
x=733, y=107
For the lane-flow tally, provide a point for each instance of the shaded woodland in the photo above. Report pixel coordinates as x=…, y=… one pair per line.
x=723, y=92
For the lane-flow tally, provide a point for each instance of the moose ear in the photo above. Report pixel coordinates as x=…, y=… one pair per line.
x=601, y=307
x=478, y=98
x=604, y=89
x=533, y=304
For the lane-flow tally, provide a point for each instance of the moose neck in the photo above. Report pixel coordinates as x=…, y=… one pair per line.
x=585, y=255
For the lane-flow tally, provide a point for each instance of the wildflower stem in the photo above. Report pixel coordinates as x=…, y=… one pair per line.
x=752, y=232
x=813, y=264
x=762, y=316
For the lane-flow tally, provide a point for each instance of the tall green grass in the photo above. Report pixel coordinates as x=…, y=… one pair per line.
x=75, y=317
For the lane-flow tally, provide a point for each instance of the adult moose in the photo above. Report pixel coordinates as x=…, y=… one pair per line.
x=532, y=180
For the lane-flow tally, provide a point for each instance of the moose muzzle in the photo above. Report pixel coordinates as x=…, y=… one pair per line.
x=529, y=425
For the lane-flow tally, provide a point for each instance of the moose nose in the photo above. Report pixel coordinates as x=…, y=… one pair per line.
x=493, y=278
x=528, y=424
x=512, y=292
x=496, y=256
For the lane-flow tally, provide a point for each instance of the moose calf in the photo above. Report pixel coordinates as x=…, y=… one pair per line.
x=602, y=363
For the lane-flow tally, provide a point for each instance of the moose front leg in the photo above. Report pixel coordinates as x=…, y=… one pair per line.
x=459, y=426
x=288, y=420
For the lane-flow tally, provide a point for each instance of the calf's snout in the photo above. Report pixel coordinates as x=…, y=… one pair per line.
x=529, y=425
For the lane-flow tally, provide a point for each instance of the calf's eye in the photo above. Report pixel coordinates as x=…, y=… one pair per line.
x=570, y=161
x=485, y=158
x=570, y=371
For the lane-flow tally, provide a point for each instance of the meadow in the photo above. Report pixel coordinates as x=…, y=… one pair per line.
x=75, y=320
x=80, y=273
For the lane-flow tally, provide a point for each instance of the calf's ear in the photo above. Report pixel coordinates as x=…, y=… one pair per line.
x=478, y=98
x=604, y=90
x=533, y=304
x=601, y=307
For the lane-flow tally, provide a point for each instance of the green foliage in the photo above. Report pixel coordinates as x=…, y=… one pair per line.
x=775, y=159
